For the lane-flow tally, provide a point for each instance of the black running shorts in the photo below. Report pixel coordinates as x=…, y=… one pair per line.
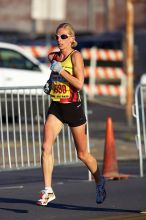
x=69, y=113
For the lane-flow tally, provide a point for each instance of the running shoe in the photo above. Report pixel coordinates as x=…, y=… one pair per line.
x=45, y=198
x=100, y=191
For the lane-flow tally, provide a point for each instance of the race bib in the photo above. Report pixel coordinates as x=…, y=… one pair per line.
x=60, y=90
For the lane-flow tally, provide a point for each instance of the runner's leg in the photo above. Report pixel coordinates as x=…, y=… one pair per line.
x=80, y=139
x=52, y=128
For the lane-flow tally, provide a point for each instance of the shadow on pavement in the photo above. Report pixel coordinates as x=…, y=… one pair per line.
x=15, y=210
x=88, y=208
x=61, y=206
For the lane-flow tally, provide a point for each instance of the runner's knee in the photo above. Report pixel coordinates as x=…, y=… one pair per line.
x=46, y=150
x=82, y=156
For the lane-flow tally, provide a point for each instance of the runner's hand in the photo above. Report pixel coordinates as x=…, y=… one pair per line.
x=56, y=67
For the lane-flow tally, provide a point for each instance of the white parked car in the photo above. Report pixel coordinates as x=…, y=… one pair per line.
x=17, y=68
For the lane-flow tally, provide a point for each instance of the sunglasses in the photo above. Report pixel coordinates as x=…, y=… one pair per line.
x=62, y=36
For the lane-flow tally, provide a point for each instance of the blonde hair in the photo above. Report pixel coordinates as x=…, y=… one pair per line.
x=71, y=32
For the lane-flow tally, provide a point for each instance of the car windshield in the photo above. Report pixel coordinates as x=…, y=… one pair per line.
x=12, y=59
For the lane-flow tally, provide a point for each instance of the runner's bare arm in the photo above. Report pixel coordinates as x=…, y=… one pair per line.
x=50, y=56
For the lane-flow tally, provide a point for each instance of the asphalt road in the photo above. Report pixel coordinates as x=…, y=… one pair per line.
x=75, y=195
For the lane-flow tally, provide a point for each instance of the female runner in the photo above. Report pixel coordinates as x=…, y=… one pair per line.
x=67, y=79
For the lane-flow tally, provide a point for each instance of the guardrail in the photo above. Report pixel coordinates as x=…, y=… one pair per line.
x=22, y=116
x=139, y=109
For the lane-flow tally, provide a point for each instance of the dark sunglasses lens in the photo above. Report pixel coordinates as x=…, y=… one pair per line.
x=56, y=37
x=64, y=36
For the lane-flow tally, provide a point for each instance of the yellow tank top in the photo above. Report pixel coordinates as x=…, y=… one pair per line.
x=61, y=90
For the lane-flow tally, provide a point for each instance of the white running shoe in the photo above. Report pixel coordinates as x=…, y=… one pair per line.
x=45, y=198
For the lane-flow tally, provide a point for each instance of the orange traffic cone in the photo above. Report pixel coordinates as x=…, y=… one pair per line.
x=110, y=165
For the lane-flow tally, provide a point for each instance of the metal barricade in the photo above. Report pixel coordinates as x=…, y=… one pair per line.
x=139, y=110
x=105, y=65
x=22, y=116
